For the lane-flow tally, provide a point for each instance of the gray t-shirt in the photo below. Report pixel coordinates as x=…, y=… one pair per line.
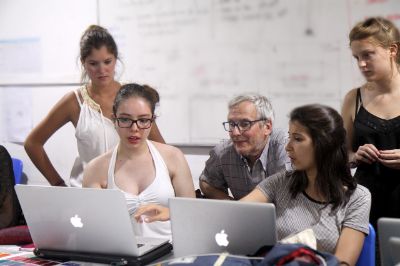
x=294, y=215
x=227, y=169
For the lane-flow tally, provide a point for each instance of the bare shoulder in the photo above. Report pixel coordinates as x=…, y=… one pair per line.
x=178, y=168
x=65, y=110
x=100, y=163
x=168, y=151
x=67, y=106
x=69, y=99
x=172, y=156
x=350, y=97
x=72, y=101
x=349, y=102
x=96, y=171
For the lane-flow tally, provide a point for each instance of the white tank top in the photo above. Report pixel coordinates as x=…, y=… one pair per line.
x=95, y=135
x=158, y=192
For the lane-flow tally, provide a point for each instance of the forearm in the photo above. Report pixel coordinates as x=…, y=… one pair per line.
x=89, y=183
x=349, y=245
x=155, y=134
x=213, y=193
x=38, y=156
x=352, y=159
x=255, y=196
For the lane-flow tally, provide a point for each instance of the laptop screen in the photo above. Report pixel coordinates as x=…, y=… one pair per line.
x=80, y=220
x=389, y=240
x=201, y=226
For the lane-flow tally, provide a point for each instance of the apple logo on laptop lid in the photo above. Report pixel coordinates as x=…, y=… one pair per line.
x=76, y=221
x=222, y=239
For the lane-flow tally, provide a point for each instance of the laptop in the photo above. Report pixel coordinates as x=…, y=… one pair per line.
x=203, y=226
x=85, y=224
x=389, y=240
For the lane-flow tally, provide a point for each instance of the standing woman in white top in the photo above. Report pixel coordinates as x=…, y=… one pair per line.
x=145, y=171
x=89, y=109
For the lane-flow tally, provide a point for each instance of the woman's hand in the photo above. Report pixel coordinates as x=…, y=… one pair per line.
x=366, y=153
x=390, y=158
x=151, y=213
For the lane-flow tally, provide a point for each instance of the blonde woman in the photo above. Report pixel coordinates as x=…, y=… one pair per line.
x=371, y=114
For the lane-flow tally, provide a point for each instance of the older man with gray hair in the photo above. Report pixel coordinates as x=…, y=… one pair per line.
x=255, y=150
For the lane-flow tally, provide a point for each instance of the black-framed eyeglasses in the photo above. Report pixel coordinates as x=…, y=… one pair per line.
x=242, y=125
x=141, y=123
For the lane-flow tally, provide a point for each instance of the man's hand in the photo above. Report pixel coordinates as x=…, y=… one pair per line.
x=211, y=192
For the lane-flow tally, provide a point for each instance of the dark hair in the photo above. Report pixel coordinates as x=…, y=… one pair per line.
x=334, y=180
x=95, y=37
x=135, y=90
x=381, y=31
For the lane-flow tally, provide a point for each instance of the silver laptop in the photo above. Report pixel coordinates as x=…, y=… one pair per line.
x=81, y=220
x=201, y=226
x=394, y=244
x=389, y=240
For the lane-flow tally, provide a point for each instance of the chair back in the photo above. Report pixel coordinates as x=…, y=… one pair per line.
x=367, y=256
x=17, y=167
x=10, y=211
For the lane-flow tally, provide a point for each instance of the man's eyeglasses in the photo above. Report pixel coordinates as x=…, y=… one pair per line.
x=141, y=123
x=242, y=125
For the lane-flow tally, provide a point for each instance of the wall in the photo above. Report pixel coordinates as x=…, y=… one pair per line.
x=198, y=54
x=39, y=47
x=39, y=40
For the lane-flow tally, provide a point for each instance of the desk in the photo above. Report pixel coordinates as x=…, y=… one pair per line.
x=14, y=255
x=207, y=259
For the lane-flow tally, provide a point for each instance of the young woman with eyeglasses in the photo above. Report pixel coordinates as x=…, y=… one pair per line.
x=145, y=171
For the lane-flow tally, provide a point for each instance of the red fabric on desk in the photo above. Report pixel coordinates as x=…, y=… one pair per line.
x=15, y=235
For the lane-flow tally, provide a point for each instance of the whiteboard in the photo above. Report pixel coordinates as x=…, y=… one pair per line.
x=197, y=53
x=39, y=40
x=200, y=53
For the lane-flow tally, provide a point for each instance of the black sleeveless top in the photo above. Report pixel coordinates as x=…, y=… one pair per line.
x=383, y=182
x=383, y=134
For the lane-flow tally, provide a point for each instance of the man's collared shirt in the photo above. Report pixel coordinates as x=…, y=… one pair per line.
x=228, y=169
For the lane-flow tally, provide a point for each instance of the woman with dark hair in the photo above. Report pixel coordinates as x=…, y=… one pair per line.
x=87, y=108
x=319, y=193
x=145, y=171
